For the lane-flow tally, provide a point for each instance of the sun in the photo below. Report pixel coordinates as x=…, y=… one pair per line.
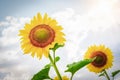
x=41, y=34
x=104, y=58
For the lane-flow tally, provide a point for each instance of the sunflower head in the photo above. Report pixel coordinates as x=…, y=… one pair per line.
x=41, y=34
x=63, y=78
x=104, y=58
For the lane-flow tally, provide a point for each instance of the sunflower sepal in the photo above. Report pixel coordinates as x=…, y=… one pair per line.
x=56, y=46
x=101, y=74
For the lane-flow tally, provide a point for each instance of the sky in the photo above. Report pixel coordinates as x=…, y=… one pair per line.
x=85, y=23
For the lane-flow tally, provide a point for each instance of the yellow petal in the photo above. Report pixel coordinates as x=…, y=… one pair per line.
x=28, y=27
x=33, y=51
x=45, y=18
x=39, y=17
x=39, y=53
x=45, y=52
x=27, y=49
x=52, y=23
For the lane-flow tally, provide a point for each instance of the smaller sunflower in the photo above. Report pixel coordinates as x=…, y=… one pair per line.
x=104, y=58
x=63, y=78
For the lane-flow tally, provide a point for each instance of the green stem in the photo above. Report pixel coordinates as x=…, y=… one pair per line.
x=71, y=77
x=55, y=67
x=106, y=75
x=54, y=57
x=113, y=78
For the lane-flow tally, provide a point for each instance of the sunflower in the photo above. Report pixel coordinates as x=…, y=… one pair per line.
x=41, y=34
x=104, y=58
x=63, y=78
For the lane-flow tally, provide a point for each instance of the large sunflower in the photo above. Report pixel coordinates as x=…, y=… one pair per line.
x=104, y=58
x=41, y=34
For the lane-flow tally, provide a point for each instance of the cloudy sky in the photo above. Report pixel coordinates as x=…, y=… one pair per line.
x=85, y=22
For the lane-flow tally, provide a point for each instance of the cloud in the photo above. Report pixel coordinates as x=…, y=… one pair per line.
x=97, y=25
x=100, y=25
x=10, y=30
x=9, y=40
x=13, y=64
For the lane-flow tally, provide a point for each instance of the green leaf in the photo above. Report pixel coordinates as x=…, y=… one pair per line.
x=43, y=74
x=48, y=65
x=74, y=67
x=57, y=59
x=56, y=46
x=101, y=74
x=115, y=73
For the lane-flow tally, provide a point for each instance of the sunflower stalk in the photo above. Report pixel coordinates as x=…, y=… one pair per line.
x=71, y=77
x=55, y=67
x=106, y=75
x=54, y=56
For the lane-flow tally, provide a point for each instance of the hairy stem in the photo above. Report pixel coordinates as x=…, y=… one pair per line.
x=55, y=67
x=108, y=78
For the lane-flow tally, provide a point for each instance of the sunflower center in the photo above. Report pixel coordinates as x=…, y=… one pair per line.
x=100, y=60
x=42, y=35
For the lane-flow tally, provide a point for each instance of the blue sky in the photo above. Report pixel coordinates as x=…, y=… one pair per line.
x=30, y=7
x=85, y=23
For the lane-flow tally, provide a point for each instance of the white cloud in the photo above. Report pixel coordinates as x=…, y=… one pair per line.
x=10, y=32
x=94, y=27
x=99, y=24
x=4, y=23
x=13, y=76
x=12, y=61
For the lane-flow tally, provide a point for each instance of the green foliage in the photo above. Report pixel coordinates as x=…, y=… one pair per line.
x=74, y=67
x=56, y=46
x=57, y=59
x=102, y=74
x=115, y=73
x=43, y=74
